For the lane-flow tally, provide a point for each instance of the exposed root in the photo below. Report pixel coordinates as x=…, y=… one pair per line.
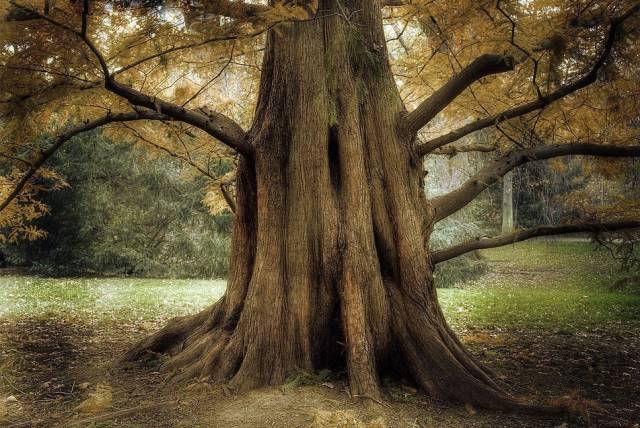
x=168, y=338
x=439, y=368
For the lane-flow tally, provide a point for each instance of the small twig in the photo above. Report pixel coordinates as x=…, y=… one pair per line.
x=13, y=386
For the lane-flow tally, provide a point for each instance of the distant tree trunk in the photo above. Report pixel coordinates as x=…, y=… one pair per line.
x=507, y=203
x=329, y=263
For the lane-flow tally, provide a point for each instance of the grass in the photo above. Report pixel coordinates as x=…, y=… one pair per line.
x=555, y=285
x=538, y=284
x=103, y=299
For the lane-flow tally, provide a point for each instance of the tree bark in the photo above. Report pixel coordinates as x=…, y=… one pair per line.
x=329, y=266
x=507, y=203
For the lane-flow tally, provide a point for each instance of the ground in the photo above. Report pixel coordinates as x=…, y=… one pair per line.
x=543, y=318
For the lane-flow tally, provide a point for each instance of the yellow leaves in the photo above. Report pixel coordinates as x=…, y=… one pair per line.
x=58, y=181
x=444, y=37
x=296, y=11
x=183, y=91
x=215, y=199
x=16, y=219
x=558, y=165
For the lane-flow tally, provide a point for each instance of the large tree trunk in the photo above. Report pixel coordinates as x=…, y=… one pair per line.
x=329, y=260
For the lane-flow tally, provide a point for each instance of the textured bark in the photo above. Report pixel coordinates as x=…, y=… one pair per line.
x=329, y=265
x=507, y=203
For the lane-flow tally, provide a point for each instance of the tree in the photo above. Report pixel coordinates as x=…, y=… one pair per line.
x=330, y=264
x=507, y=203
x=117, y=218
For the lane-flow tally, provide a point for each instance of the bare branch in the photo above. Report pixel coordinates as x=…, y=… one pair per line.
x=541, y=102
x=467, y=148
x=34, y=165
x=187, y=159
x=482, y=66
x=451, y=202
x=521, y=235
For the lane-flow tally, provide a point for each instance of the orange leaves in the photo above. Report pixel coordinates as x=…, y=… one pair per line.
x=16, y=218
x=556, y=45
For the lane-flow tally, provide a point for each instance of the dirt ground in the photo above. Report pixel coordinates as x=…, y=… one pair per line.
x=57, y=359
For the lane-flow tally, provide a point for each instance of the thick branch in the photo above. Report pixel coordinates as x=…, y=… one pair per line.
x=522, y=235
x=35, y=164
x=539, y=103
x=448, y=204
x=482, y=66
x=215, y=124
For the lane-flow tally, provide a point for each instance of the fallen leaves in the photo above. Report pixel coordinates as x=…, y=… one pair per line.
x=4, y=412
x=343, y=418
x=98, y=401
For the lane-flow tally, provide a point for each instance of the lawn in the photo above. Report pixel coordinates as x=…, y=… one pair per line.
x=543, y=318
x=555, y=285
x=536, y=284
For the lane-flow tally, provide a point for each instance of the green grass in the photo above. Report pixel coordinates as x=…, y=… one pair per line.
x=105, y=299
x=538, y=284
x=544, y=284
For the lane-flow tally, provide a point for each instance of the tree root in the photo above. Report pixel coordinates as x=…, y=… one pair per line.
x=204, y=348
x=169, y=337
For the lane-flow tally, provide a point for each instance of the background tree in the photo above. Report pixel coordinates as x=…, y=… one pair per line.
x=135, y=212
x=330, y=263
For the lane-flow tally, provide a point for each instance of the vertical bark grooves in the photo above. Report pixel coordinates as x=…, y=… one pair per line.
x=329, y=265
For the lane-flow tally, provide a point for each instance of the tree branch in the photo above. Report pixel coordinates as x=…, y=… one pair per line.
x=521, y=235
x=482, y=66
x=451, y=202
x=228, y=198
x=540, y=102
x=85, y=18
x=467, y=148
x=215, y=124
x=395, y=3
x=57, y=142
